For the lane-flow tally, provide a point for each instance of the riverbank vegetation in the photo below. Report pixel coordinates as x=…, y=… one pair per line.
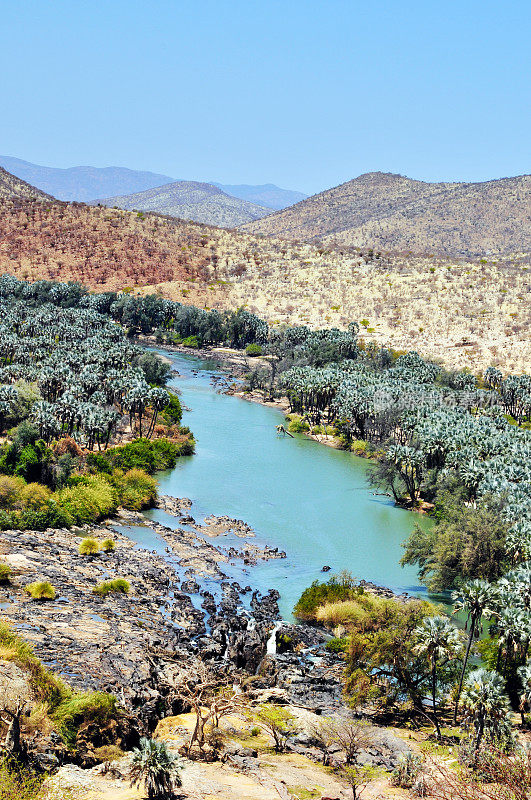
x=84, y=413
x=76, y=390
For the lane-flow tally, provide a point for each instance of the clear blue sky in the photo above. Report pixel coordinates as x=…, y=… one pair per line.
x=302, y=93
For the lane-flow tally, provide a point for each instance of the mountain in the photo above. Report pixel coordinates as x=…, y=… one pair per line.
x=466, y=313
x=12, y=188
x=83, y=183
x=200, y=202
x=86, y=184
x=394, y=213
x=267, y=194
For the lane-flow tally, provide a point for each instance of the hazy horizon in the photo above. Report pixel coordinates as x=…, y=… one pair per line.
x=304, y=94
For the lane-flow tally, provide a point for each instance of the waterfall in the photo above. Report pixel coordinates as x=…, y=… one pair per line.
x=271, y=646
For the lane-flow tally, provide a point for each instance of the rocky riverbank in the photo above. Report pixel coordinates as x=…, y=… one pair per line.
x=124, y=643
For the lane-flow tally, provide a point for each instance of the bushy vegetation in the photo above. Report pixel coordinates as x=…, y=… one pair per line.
x=336, y=589
x=148, y=455
x=81, y=707
x=5, y=571
x=89, y=546
x=40, y=590
x=115, y=586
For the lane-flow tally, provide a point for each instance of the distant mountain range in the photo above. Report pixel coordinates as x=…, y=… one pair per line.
x=200, y=202
x=12, y=188
x=394, y=213
x=86, y=184
x=267, y=194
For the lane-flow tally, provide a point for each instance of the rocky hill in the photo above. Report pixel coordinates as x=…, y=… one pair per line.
x=473, y=312
x=200, y=202
x=12, y=187
x=85, y=184
x=391, y=212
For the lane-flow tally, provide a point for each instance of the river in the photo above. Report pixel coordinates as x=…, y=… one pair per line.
x=300, y=496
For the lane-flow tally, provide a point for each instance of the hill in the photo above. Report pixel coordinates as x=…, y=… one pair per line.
x=83, y=183
x=464, y=312
x=390, y=212
x=267, y=194
x=12, y=187
x=200, y=202
x=86, y=184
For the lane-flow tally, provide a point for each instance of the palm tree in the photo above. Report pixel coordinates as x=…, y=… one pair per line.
x=524, y=673
x=440, y=641
x=157, y=767
x=475, y=598
x=485, y=705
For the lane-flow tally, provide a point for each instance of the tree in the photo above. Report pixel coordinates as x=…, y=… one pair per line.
x=439, y=641
x=210, y=695
x=278, y=722
x=485, y=707
x=357, y=777
x=524, y=674
x=476, y=598
x=157, y=767
x=465, y=543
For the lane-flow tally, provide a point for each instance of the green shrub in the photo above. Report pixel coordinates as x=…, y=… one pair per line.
x=108, y=545
x=92, y=499
x=253, y=350
x=337, y=645
x=89, y=546
x=139, y=454
x=296, y=425
x=173, y=412
x=40, y=590
x=80, y=708
x=337, y=588
x=116, y=586
x=135, y=489
x=190, y=341
x=5, y=572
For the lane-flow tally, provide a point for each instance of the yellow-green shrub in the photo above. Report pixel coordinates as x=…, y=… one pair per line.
x=88, y=501
x=10, y=488
x=135, y=489
x=108, y=546
x=5, y=571
x=89, y=546
x=116, y=586
x=40, y=590
x=34, y=496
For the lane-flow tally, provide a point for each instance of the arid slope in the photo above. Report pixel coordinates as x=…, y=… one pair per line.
x=199, y=202
x=390, y=212
x=12, y=187
x=465, y=312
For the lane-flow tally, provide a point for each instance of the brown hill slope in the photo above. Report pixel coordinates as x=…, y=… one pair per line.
x=12, y=187
x=102, y=248
x=200, y=202
x=391, y=212
x=465, y=313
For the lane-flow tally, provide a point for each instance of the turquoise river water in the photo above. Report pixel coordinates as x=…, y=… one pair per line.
x=298, y=495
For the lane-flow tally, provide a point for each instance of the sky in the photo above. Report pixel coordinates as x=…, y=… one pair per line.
x=302, y=93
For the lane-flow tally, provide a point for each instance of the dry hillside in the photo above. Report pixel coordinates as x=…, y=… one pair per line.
x=471, y=313
x=12, y=187
x=200, y=202
x=102, y=248
x=391, y=212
